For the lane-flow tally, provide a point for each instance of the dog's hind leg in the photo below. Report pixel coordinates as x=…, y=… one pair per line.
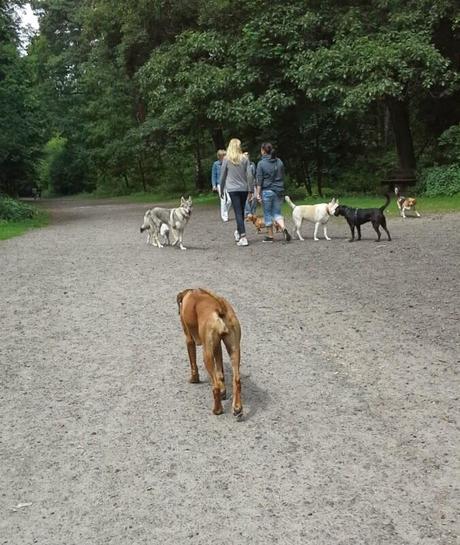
x=383, y=223
x=233, y=348
x=375, y=225
x=315, y=234
x=358, y=229
x=236, y=405
x=191, y=349
x=325, y=232
x=298, y=225
x=220, y=370
x=208, y=356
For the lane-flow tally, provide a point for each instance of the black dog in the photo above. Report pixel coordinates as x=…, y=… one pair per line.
x=357, y=216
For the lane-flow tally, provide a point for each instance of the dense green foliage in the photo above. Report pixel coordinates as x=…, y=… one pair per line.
x=121, y=96
x=441, y=180
x=13, y=210
x=19, y=132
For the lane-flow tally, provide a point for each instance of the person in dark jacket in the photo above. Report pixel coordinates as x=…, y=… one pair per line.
x=270, y=190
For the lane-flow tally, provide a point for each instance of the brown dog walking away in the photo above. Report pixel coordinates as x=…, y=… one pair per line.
x=208, y=319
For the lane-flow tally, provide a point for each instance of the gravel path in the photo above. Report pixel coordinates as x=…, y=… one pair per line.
x=349, y=375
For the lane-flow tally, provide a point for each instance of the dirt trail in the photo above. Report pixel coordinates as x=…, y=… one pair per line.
x=349, y=375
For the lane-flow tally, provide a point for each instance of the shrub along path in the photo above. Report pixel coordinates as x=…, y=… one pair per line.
x=349, y=374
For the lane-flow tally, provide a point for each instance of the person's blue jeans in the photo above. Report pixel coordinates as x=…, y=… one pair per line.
x=238, y=199
x=271, y=202
x=250, y=207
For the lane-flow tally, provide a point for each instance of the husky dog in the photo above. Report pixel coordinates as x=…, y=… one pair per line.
x=156, y=233
x=316, y=213
x=175, y=218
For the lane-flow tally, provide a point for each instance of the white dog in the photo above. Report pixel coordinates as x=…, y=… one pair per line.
x=316, y=213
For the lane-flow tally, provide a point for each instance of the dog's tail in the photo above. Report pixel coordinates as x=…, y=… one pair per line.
x=290, y=203
x=222, y=329
x=382, y=208
x=179, y=298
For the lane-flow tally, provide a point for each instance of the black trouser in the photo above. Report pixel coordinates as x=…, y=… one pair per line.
x=238, y=199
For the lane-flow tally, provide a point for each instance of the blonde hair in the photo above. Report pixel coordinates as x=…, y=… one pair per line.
x=234, y=152
x=221, y=153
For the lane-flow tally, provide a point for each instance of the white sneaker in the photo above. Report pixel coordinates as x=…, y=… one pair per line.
x=243, y=242
x=236, y=235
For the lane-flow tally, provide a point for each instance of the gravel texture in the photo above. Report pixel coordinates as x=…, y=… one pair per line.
x=349, y=376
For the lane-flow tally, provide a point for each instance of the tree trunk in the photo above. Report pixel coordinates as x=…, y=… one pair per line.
x=307, y=178
x=141, y=170
x=319, y=167
x=200, y=178
x=399, y=115
x=386, y=126
x=218, y=138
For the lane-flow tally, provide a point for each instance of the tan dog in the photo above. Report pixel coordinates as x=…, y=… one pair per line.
x=316, y=213
x=208, y=319
x=259, y=223
x=405, y=203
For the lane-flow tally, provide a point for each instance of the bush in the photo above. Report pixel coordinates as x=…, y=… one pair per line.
x=12, y=210
x=440, y=180
x=449, y=142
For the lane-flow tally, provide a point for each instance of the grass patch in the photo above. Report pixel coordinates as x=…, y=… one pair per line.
x=425, y=204
x=10, y=229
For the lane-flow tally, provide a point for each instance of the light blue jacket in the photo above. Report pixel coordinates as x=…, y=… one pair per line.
x=215, y=173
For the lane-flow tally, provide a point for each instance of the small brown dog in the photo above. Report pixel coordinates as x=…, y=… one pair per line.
x=259, y=223
x=208, y=319
x=405, y=203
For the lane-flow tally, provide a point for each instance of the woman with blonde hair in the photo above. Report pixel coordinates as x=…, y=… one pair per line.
x=236, y=177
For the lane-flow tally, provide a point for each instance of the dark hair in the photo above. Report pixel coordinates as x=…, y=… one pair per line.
x=269, y=149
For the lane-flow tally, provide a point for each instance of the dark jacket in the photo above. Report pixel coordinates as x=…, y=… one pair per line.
x=270, y=174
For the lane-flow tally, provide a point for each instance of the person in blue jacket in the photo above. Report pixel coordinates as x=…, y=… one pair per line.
x=225, y=203
x=251, y=205
x=270, y=190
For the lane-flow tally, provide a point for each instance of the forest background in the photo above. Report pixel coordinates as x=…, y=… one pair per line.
x=117, y=97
